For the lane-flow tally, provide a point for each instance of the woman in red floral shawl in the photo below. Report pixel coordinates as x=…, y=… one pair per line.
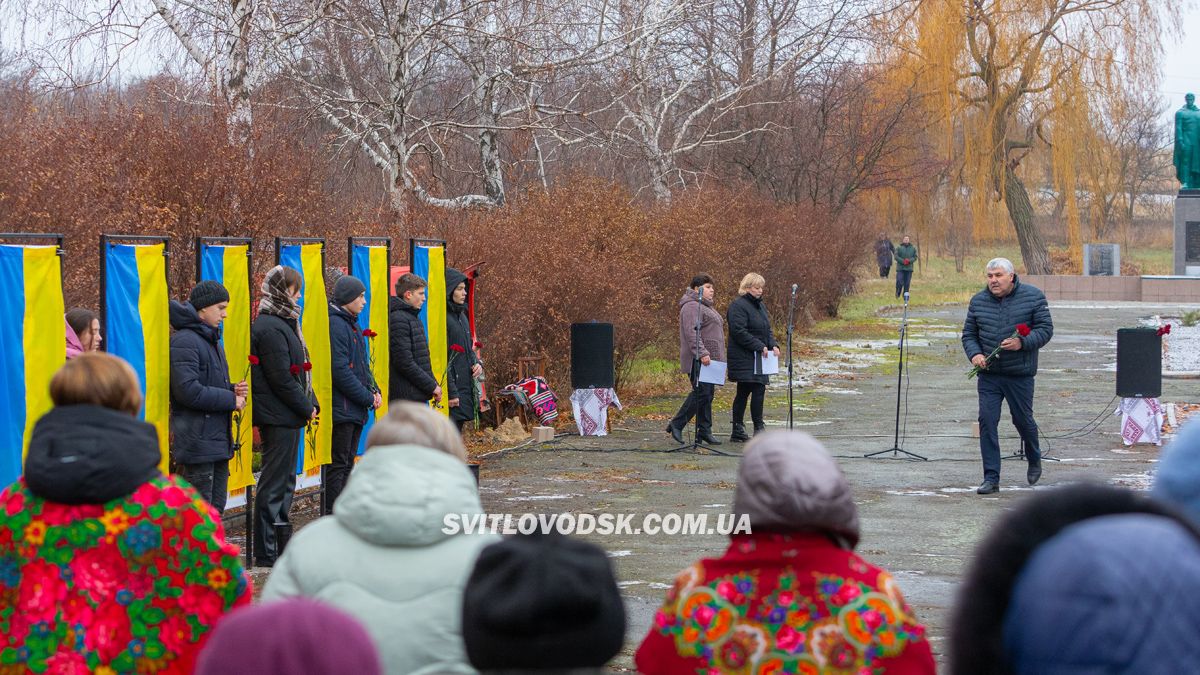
x=106, y=565
x=792, y=597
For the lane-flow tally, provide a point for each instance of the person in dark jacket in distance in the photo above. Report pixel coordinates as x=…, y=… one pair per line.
x=465, y=366
x=283, y=403
x=750, y=338
x=412, y=377
x=696, y=306
x=994, y=319
x=906, y=255
x=1082, y=579
x=884, y=250
x=354, y=391
x=202, y=397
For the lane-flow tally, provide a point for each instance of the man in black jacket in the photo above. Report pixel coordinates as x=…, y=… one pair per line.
x=464, y=366
x=202, y=397
x=412, y=377
x=1016, y=318
x=283, y=403
x=354, y=391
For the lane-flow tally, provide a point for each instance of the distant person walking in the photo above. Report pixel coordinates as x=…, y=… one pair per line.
x=884, y=250
x=906, y=255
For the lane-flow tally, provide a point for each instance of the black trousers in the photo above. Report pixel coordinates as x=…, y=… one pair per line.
x=884, y=270
x=755, y=392
x=1018, y=393
x=698, y=404
x=276, y=487
x=903, y=281
x=211, y=480
x=345, y=447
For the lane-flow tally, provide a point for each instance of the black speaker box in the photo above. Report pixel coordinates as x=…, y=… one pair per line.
x=592, y=356
x=1139, y=363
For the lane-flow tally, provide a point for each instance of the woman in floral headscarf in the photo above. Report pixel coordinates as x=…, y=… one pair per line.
x=790, y=597
x=106, y=565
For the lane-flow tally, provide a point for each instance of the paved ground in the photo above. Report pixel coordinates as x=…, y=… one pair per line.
x=921, y=520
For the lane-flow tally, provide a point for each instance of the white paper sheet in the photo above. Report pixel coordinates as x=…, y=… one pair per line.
x=713, y=373
x=766, y=365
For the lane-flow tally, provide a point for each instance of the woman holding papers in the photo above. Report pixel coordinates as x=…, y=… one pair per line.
x=701, y=350
x=753, y=354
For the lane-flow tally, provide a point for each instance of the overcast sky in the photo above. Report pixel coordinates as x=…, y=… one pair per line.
x=1181, y=65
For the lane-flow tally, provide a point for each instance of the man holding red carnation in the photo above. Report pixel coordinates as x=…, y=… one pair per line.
x=1007, y=323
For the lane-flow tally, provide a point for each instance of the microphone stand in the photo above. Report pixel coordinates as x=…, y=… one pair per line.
x=791, y=374
x=896, y=449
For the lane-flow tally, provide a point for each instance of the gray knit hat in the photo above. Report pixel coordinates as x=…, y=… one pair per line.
x=208, y=293
x=347, y=289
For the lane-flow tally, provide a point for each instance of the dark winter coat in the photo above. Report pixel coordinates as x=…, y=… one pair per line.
x=992, y=320
x=884, y=249
x=905, y=252
x=749, y=332
x=202, y=397
x=712, y=332
x=460, y=382
x=353, y=382
x=412, y=376
x=281, y=398
x=86, y=454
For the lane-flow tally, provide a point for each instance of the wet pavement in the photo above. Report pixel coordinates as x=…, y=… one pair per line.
x=920, y=519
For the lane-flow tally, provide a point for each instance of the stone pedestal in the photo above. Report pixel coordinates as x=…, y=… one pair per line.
x=1187, y=233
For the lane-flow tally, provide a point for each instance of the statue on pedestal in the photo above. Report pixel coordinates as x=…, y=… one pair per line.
x=1187, y=144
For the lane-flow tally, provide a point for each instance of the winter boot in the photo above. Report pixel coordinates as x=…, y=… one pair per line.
x=739, y=433
x=759, y=427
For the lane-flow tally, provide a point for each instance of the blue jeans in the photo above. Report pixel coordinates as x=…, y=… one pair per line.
x=1018, y=392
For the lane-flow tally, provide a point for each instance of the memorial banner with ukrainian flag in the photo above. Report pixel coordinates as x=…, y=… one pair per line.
x=370, y=265
x=32, y=346
x=316, y=441
x=135, y=302
x=229, y=265
x=429, y=263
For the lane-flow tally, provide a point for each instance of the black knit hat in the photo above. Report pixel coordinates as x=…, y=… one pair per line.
x=347, y=289
x=208, y=293
x=542, y=601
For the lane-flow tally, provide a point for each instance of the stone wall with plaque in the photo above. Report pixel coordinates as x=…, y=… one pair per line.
x=1101, y=260
x=1187, y=233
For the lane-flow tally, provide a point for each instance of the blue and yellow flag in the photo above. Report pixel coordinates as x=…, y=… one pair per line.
x=33, y=345
x=229, y=265
x=429, y=263
x=314, y=323
x=370, y=265
x=136, y=312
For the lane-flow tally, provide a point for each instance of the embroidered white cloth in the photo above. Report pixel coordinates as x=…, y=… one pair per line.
x=590, y=407
x=1141, y=420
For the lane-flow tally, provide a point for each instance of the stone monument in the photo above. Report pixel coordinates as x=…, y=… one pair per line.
x=1187, y=204
x=1101, y=260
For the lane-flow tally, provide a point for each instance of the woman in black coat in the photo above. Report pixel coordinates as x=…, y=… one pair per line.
x=749, y=335
x=465, y=365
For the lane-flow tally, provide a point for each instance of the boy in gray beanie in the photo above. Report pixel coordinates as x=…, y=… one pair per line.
x=354, y=390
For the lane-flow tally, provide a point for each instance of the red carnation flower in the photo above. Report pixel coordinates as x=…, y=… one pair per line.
x=294, y=369
x=478, y=344
x=307, y=366
x=457, y=349
x=1022, y=330
x=369, y=333
x=252, y=359
x=1164, y=330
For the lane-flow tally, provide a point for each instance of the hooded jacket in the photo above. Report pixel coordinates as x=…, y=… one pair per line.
x=74, y=346
x=991, y=320
x=202, y=397
x=712, y=332
x=793, y=592
x=280, y=398
x=104, y=562
x=353, y=383
x=460, y=382
x=412, y=377
x=749, y=333
x=384, y=558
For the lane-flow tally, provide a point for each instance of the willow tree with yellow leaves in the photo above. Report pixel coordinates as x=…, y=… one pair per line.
x=1011, y=77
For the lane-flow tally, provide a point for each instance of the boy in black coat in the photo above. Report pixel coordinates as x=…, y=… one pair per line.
x=202, y=398
x=354, y=391
x=412, y=376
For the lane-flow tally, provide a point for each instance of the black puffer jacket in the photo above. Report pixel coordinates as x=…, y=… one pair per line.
x=85, y=454
x=991, y=320
x=352, y=379
x=280, y=396
x=461, y=383
x=749, y=332
x=411, y=372
x=202, y=397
